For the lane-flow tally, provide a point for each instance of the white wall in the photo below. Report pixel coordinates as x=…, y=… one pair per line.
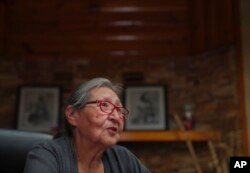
x=245, y=33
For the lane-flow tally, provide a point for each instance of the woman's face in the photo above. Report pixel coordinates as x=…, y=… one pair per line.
x=96, y=126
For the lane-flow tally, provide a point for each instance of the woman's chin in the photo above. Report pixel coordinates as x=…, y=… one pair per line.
x=110, y=141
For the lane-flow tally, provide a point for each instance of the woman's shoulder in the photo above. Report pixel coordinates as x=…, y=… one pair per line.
x=54, y=145
x=56, y=153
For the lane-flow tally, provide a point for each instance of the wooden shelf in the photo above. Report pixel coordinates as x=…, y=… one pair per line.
x=170, y=136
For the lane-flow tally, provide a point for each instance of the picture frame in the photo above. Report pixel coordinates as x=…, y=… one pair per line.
x=147, y=106
x=38, y=108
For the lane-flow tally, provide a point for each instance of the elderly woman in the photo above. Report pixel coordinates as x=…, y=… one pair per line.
x=94, y=120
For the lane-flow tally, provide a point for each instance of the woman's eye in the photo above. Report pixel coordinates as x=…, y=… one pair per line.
x=105, y=104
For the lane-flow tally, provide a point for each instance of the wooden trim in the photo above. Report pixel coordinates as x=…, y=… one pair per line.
x=169, y=136
x=240, y=74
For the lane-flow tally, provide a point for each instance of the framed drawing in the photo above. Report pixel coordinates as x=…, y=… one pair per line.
x=38, y=108
x=147, y=106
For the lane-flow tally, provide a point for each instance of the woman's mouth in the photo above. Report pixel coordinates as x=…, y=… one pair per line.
x=113, y=129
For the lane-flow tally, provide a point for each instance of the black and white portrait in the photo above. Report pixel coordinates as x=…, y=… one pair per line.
x=38, y=108
x=147, y=107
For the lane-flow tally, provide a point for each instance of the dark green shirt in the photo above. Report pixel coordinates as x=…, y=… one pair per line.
x=57, y=156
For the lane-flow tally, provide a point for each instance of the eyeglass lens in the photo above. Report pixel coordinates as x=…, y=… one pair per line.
x=108, y=107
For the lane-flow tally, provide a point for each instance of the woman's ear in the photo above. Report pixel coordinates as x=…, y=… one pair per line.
x=70, y=113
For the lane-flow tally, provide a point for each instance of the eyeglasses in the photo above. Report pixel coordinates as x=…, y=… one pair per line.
x=108, y=108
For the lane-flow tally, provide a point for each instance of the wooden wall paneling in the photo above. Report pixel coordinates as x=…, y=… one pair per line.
x=100, y=22
x=230, y=18
x=222, y=23
x=2, y=26
x=57, y=47
x=212, y=23
x=209, y=19
x=222, y=17
x=92, y=38
x=112, y=28
x=79, y=11
x=147, y=5
x=197, y=26
x=124, y=56
x=118, y=28
x=121, y=34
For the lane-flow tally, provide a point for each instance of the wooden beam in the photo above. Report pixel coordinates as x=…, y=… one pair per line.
x=170, y=136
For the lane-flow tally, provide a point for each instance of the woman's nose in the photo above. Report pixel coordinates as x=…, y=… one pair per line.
x=115, y=114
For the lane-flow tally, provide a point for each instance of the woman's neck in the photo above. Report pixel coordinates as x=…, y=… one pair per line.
x=88, y=156
x=93, y=167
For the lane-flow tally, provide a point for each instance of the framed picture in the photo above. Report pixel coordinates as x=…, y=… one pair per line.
x=38, y=108
x=147, y=106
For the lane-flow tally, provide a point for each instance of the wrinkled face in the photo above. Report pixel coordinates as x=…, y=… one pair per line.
x=96, y=126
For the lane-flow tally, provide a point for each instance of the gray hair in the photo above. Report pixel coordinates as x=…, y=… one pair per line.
x=80, y=96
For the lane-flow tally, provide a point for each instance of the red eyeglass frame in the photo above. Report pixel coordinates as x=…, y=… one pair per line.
x=99, y=102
